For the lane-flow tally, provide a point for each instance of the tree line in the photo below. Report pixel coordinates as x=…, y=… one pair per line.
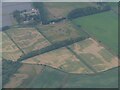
x=9, y=68
x=80, y=12
x=42, y=10
x=52, y=47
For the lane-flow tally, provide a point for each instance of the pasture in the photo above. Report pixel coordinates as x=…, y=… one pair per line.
x=48, y=78
x=103, y=27
x=107, y=79
x=95, y=55
x=61, y=31
x=28, y=39
x=61, y=59
x=9, y=50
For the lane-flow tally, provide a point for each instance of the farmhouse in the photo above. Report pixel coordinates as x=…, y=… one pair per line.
x=25, y=16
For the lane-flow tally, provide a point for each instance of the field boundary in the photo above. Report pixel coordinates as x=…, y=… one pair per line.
x=82, y=60
x=102, y=44
x=14, y=43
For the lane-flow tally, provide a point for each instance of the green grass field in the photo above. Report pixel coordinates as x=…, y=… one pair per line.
x=48, y=78
x=60, y=32
x=103, y=26
x=107, y=79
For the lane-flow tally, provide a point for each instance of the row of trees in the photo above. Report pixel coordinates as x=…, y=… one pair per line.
x=43, y=13
x=5, y=28
x=51, y=47
x=16, y=15
x=31, y=18
x=57, y=20
x=9, y=68
x=79, y=12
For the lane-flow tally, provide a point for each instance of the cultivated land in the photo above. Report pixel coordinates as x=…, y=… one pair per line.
x=57, y=10
x=103, y=26
x=61, y=59
x=28, y=39
x=26, y=74
x=78, y=57
x=9, y=50
x=94, y=54
x=37, y=76
x=61, y=31
x=108, y=79
x=72, y=65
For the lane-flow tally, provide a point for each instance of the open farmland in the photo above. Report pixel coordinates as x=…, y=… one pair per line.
x=57, y=10
x=107, y=79
x=61, y=59
x=9, y=50
x=37, y=76
x=94, y=54
x=24, y=74
x=60, y=32
x=48, y=78
x=103, y=26
x=28, y=39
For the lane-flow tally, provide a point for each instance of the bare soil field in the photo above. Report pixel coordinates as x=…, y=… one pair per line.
x=61, y=59
x=95, y=54
x=28, y=39
x=9, y=50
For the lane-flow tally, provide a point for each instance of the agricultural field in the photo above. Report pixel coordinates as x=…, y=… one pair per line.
x=107, y=79
x=54, y=80
x=25, y=74
x=9, y=68
x=61, y=59
x=9, y=50
x=57, y=10
x=37, y=76
x=60, y=32
x=94, y=54
x=62, y=53
x=103, y=27
x=28, y=39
